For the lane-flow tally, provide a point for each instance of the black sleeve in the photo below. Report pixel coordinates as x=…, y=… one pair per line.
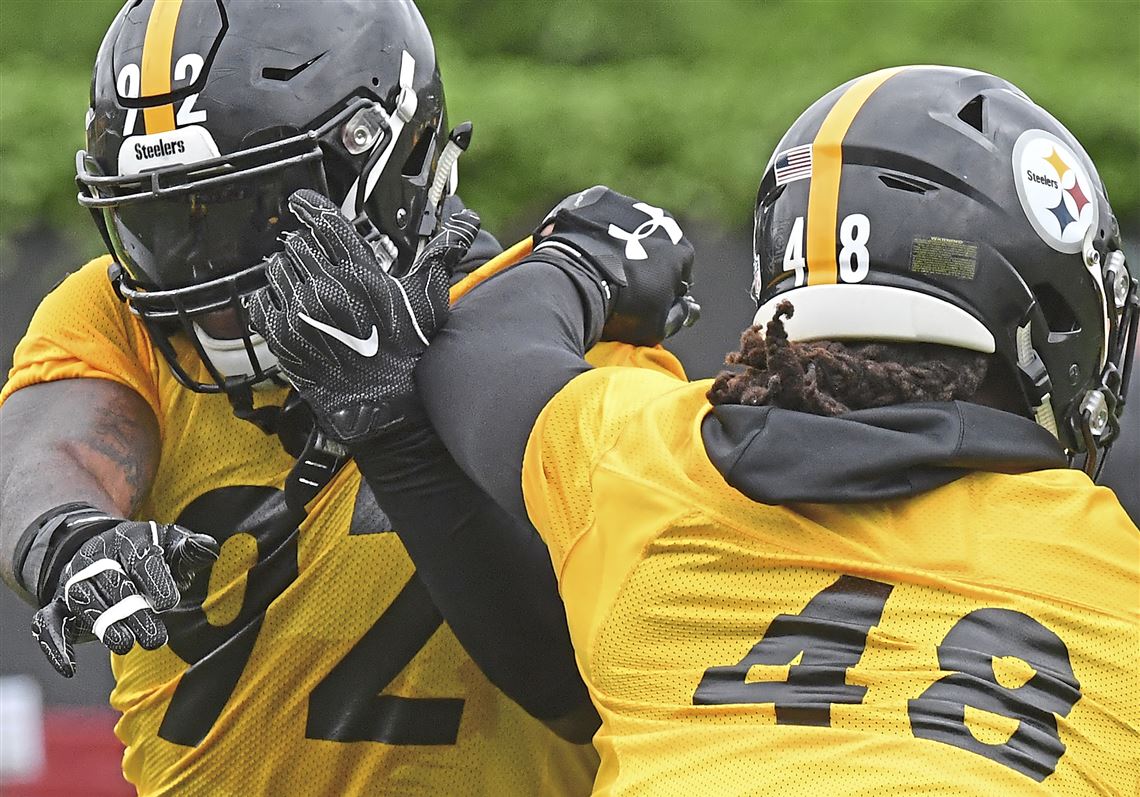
x=508, y=347
x=489, y=574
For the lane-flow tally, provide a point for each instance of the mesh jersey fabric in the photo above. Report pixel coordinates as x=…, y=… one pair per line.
x=979, y=639
x=311, y=661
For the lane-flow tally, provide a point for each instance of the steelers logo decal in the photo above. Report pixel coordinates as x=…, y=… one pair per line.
x=1056, y=192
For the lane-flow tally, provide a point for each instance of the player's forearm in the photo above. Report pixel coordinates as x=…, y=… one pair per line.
x=508, y=347
x=489, y=574
x=80, y=440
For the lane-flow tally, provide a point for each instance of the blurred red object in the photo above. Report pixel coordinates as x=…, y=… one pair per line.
x=82, y=756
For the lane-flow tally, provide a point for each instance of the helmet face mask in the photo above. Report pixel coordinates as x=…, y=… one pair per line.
x=191, y=158
x=941, y=205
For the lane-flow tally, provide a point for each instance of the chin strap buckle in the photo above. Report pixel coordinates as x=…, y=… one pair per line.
x=457, y=143
x=1035, y=381
x=1099, y=419
x=1094, y=410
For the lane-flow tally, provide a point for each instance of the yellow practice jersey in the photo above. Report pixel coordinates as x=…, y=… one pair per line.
x=982, y=638
x=311, y=661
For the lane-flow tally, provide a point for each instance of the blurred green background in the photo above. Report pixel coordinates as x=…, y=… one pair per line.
x=680, y=102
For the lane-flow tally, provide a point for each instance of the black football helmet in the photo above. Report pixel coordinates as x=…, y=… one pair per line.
x=205, y=116
x=941, y=205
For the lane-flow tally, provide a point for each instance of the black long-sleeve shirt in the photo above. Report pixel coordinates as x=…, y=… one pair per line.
x=523, y=335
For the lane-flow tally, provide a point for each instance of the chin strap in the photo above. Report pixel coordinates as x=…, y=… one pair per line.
x=267, y=419
x=319, y=458
x=1098, y=416
x=1099, y=419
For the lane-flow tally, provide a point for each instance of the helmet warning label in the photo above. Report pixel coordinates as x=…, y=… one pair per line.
x=945, y=257
x=1055, y=189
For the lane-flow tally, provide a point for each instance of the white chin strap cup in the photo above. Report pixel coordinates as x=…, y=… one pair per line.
x=229, y=356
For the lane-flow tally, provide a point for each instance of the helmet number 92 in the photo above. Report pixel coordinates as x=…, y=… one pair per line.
x=128, y=86
x=186, y=69
x=854, y=260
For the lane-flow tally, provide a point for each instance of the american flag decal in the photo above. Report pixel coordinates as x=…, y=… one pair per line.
x=793, y=164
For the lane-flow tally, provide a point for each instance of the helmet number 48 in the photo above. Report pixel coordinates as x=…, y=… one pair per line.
x=854, y=260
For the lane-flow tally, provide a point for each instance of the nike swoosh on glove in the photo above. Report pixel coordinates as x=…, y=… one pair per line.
x=347, y=334
x=115, y=586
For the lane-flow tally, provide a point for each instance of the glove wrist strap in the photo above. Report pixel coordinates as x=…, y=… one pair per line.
x=51, y=540
x=594, y=255
x=589, y=279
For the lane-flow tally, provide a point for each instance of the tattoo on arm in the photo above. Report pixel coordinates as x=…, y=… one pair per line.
x=111, y=452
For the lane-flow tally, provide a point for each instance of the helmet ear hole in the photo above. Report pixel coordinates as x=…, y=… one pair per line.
x=339, y=171
x=971, y=113
x=417, y=158
x=1059, y=314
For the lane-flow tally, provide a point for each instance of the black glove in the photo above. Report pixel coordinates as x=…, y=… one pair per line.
x=347, y=334
x=114, y=587
x=640, y=253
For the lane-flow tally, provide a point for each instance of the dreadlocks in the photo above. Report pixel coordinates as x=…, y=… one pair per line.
x=830, y=378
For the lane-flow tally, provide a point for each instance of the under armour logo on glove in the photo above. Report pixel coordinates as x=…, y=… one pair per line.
x=346, y=333
x=646, y=273
x=114, y=587
x=657, y=220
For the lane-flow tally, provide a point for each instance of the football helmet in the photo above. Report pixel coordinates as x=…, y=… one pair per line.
x=206, y=116
x=941, y=205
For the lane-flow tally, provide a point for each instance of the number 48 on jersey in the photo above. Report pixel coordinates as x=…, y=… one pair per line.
x=830, y=634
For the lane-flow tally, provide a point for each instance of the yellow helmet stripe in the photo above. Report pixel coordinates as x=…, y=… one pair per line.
x=157, y=57
x=826, y=166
